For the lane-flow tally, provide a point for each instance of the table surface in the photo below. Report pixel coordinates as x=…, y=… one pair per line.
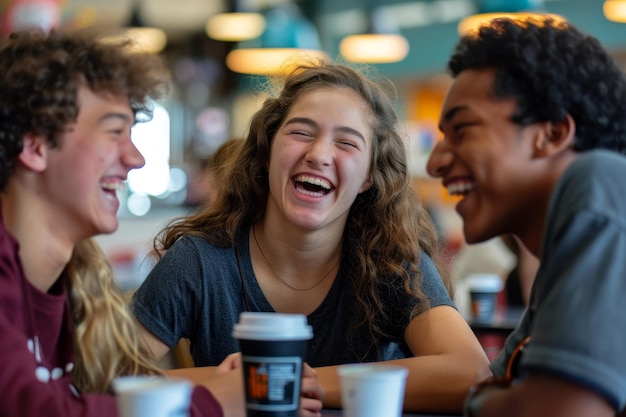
x=327, y=412
x=504, y=321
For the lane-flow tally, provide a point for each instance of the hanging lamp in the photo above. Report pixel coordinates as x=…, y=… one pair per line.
x=236, y=25
x=380, y=43
x=615, y=10
x=144, y=38
x=512, y=9
x=287, y=38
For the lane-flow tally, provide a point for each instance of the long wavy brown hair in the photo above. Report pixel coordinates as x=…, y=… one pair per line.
x=387, y=225
x=40, y=75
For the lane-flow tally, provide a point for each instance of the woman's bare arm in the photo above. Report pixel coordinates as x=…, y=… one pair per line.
x=448, y=361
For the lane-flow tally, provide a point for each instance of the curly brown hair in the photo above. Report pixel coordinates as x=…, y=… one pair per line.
x=40, y=75
x=387, y=225
x=551, y=69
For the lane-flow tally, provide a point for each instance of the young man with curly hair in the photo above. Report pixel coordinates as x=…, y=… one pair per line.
x=67, y=105
x=534, y=131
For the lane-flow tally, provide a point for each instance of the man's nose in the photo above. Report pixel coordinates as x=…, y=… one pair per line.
x=131, y=156
x=439, y=159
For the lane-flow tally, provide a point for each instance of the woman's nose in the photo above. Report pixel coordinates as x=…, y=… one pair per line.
x=320, y=152
x=439, y=160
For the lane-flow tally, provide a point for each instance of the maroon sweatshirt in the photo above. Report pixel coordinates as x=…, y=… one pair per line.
x=36, y=351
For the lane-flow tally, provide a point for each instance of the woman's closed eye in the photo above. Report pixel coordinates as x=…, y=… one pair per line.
x=348, y=143
x=301, y=133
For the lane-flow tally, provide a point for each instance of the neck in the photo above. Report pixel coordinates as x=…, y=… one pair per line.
x=553, y=168
x=301, y=261
x=44, y=249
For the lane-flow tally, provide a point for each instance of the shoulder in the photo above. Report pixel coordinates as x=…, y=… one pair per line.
x=195, y=245
x=10, y=264
x=596, y=166
x=428, y=267
x=592, y=183
x=432, y=282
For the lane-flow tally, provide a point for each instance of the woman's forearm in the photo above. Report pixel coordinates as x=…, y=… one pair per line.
x=434, y=384
x=198, y=375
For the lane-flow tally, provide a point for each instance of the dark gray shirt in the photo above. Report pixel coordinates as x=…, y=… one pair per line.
x=195, y=291
x=576, y=318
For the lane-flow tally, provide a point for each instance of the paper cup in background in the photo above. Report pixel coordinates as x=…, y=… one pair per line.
x=372, y=389
x=273, y=348
x=483, y=290
x=152, y=396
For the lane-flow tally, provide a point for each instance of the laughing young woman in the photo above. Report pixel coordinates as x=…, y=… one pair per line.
x=318, y=217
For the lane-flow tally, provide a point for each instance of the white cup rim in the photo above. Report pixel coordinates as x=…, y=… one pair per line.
x=272, y=326
x=133, y=383
x=371, y=370
x=484, y=282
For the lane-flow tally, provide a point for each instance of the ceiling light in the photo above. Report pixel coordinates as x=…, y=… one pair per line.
x=615, y=10
x=374, y=48
x=269, y=61
x=288, y=37
x=144, y=39
x=235, y=26
x=474, y=22
x=511, y=9
x=382, y=43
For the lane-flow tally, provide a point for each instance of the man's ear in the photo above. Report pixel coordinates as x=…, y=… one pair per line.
x=34, y=152
x=555, y=137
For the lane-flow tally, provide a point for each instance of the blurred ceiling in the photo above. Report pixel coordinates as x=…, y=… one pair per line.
x=429, y=25
x=177, y=17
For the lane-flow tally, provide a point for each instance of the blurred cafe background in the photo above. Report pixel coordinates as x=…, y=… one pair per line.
x=219, y=76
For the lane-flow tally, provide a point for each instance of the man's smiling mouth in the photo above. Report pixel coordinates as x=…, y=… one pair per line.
x=460, y=188
x=112, y=185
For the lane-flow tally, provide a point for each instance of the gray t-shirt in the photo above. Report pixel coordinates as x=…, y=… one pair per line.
x=195, y=291
x=576, y=316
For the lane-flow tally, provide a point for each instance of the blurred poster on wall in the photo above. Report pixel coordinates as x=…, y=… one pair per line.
x=24, y=14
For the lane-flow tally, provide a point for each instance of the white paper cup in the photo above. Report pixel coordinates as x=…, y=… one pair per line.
x=372, y=389
x=152, y=396
x=273, y=348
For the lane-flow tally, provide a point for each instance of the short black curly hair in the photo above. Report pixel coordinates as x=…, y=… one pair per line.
x=552, y=69
x=40, y=75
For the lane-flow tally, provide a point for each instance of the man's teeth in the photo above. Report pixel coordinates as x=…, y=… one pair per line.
x=112, y=186
x=314, y=180
x=460, y=188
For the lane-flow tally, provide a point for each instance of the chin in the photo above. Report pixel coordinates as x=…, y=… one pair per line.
x=107, y=227
x=475, y=237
